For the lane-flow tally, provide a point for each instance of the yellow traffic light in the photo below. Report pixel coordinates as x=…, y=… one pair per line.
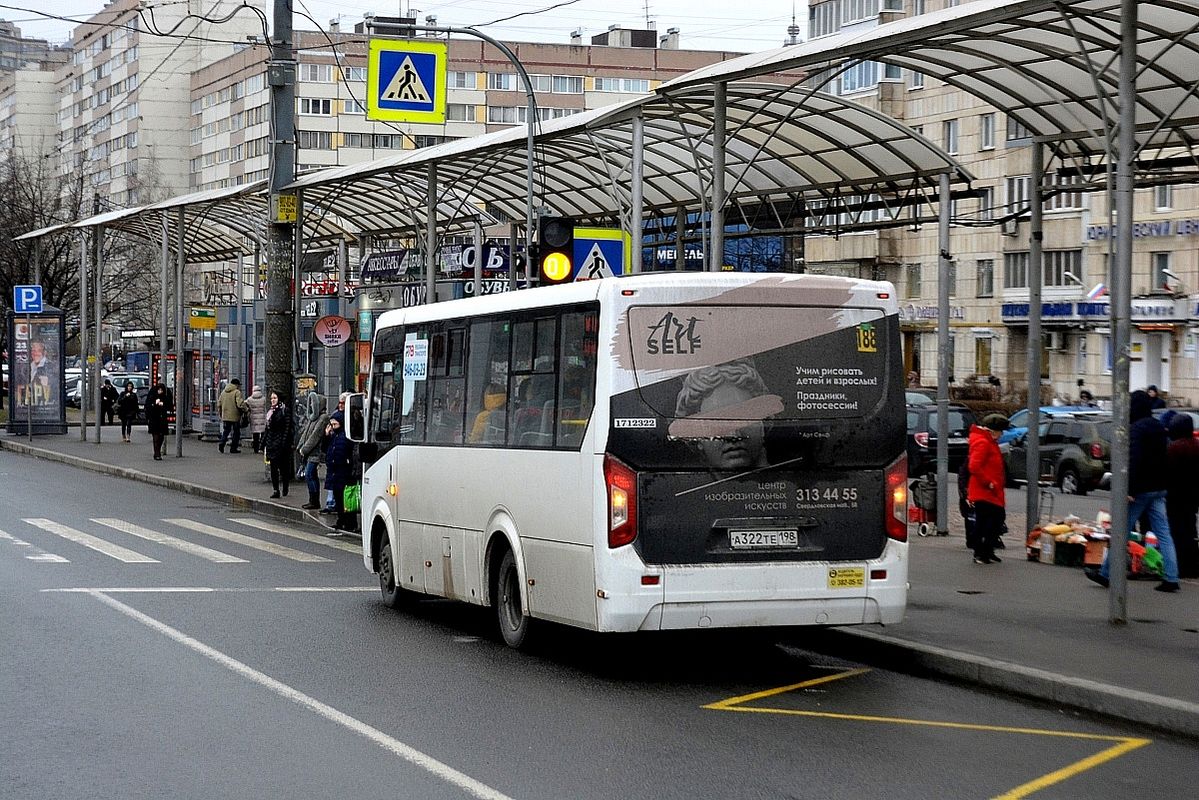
x=556, y=267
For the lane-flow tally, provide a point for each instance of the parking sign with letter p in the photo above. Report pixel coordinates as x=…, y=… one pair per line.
x=27, y=299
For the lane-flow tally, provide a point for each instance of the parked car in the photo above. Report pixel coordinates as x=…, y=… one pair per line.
x=922, y=437
x=1076, y=454
x=1019, y=419
x=919, y=397
x=141, y=385
x=1193, y=412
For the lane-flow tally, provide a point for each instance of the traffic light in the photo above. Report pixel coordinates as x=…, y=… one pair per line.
x=555, y=250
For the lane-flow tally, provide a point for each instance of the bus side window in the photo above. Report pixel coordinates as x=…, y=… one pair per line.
x=576, y=374
x=414, y=374
x=486, y=381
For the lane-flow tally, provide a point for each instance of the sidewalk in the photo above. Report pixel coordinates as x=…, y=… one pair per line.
x=1020, y=627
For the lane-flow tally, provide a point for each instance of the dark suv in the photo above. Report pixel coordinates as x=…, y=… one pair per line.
x=1076, y=454
x=922, y=437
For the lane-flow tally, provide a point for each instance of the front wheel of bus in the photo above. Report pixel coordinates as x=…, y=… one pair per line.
x=393, y=595
x=510, y=615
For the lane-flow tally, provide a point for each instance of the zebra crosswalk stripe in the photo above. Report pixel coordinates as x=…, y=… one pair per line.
x=283, y=530
x=247, y=541
x=170, y=541
x=94, y=542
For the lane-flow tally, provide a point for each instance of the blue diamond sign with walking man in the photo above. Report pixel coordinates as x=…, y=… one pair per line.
x=406, y=81
x=601, y=253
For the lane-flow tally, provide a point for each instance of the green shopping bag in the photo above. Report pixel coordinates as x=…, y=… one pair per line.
x=1152, y=562
x=351, y=497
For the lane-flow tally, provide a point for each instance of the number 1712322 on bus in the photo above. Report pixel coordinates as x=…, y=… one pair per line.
x=643, y=453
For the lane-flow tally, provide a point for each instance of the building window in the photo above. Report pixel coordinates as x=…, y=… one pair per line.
x=1160, y=264
x=1016, y=191
x=355, y=140
x=824, y=19
x=316, y=73
x=1056, y=265
x=504, y=81
x=861, y=76
x=357, y=74
x=986, y=203
x=912, y=273
x=982, y=355
x=953, y=279
x=1062, y=200
x=352, y=107
x=462, y=80
x=915, y=79
x=985, y=278
x=315, y=140
x=1016, y=132
x=461, y=112
x=427, y=140
x=949, y=136
x=1163, y=198
x=568, y=84
x=541, y=83
x=316, y=106
x=1015, y=270
x=854, y=10
x=630, y=85
x=387, y=141
x=986, y=131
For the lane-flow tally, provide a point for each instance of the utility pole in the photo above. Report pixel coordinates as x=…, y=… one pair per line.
x=280, y=332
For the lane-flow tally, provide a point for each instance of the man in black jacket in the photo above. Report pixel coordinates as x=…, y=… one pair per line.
x=1147, y=483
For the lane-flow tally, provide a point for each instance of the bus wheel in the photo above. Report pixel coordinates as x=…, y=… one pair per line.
x=393, y=595
x=510, y=615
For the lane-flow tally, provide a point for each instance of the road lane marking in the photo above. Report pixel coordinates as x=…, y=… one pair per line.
x=247, y=541
x=408, y=753
x=36, y=554
x=94, y=542
x=283, y=530
x=1124, y=744
x=170, y=541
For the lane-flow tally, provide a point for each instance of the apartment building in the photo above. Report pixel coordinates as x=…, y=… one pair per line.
x=230, y=99
x=27, y=111
x=123, y=99
x=16, y=51
x=989, y=318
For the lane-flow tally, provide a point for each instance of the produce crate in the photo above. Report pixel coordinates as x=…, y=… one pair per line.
x=1069, y=555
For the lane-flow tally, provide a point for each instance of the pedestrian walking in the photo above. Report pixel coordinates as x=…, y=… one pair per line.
x=337, y=471
x=108, y=402
x=985, y=489
x=127, y=405
x=311, y=448
x=1155, y=399
x=231, y=405
x=338, y=414
x=277, y=443
x=257, y=405
x=1147, y=484
x=1182, y=493
x=159, y=406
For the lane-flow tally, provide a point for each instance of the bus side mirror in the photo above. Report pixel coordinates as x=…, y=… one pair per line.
x=356, y=417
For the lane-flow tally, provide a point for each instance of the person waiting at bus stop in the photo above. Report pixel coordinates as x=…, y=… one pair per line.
x=985, y=490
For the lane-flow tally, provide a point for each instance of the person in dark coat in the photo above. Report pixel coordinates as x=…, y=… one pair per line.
x=159, y=407
x=277, y=443
x=985, y=490
x=127, y=405
x=1147, y=484
x=337, y=471
x=108, y=402
x=1182, y=492
x=1155, y=399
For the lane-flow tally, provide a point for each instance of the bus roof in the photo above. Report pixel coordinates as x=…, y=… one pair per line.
x=874, y=293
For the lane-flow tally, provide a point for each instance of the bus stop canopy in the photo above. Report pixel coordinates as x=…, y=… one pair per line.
x=783, y=142
x=1049, y=64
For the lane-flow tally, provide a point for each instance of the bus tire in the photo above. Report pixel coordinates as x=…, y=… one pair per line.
x=394, y=596
x=513, y=623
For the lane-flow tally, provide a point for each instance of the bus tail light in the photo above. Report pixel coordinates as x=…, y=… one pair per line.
x=895, y=506
x=622, y=502
x=1096, y=450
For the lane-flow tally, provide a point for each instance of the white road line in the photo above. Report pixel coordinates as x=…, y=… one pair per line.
x=410, y=754
x=283, y=530
x=248, y=541
x=37, y=554
x=170, y=541
x=94, y=542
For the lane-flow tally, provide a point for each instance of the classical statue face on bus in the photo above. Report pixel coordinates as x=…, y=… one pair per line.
x=736, y=441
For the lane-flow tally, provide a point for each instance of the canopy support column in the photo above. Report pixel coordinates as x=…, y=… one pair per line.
x=163, y=296
x=512, y=229
x=297, y=303
x=97, y=284
x=431, y=236
x=719, y=131
x=943, y=264
x=1032, y=440
x=477, y=284
x=1121, y=310
x=680, y=233
x=636, y=179
x=180, y=366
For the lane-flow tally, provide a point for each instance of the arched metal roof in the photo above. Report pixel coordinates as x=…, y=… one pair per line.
x=1047, y=63
x=783, y=142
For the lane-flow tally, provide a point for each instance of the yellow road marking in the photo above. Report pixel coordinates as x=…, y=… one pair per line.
x=1124, y=744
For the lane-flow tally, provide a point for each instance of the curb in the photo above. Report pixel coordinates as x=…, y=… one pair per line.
x=1178, y=717
x=236, y=501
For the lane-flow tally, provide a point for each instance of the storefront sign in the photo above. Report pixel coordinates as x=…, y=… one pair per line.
x=915, y=313
x=1146, y=230
x=1143, y=310
x=332, y=330
x=385, y=265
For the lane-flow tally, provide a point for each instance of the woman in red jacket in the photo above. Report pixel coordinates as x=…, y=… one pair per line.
x=984, y=493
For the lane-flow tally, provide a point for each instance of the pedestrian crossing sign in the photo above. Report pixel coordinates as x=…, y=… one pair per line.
x=601, y=253
x=406, y=81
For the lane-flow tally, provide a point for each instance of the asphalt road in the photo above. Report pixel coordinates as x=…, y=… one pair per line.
x=180, y=673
